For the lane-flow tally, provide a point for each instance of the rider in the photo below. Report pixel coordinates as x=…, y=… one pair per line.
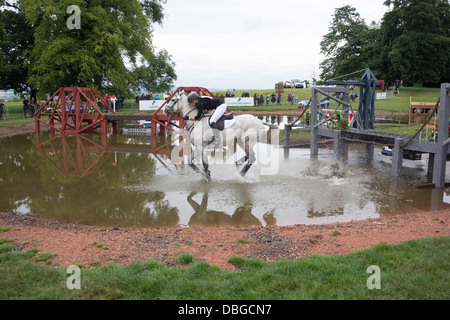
x=207, y=103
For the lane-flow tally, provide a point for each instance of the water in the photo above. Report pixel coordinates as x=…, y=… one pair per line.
x=132, y=182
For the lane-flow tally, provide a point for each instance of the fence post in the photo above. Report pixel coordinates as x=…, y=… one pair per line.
x=397, y=157
x=440, y=158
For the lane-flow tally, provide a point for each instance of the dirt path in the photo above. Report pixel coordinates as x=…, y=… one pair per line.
x=78, y=244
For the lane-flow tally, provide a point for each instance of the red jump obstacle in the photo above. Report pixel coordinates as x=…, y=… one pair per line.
x=74, y=111
x=164, y=120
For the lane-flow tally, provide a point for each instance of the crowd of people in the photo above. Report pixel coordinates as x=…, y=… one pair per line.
x=114, y=102
x=149, y=96
x=30, y=106
x=275, y=98
x=269, y=98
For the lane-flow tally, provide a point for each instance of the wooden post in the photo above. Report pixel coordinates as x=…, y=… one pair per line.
x=287, y=135
x=397, y=157
x=440, y=159
x=314, y=148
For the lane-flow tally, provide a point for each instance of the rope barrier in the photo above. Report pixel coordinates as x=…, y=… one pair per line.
x=433, y=111
x=345, y=75
x=301, y=115
x=366, y=142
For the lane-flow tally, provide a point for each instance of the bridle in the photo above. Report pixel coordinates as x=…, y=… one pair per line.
x=169, y=110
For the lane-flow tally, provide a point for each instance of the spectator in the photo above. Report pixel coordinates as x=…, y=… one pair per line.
x=290, y=98
x=136, y=101
x=100, y=104
x=279, y=99
x=120, y=101
x=113, y=102
x=1, y=109
x=267, y=99
x=26, y=103
x=32, y=107
x=273, y=98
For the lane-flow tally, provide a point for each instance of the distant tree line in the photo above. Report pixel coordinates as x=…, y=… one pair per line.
x=109, y=50
x=411, y=43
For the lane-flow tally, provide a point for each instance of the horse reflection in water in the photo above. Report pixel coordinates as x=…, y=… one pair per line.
x=242, y=216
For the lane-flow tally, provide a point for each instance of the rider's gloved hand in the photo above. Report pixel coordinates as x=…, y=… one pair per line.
x=186, y=118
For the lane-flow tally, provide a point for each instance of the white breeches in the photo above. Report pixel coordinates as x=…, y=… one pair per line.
x=220, y=110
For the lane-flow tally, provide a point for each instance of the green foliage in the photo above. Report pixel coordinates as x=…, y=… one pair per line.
x=4, y=229
x=414, y=40
x=338, y=122
x=3, y=241
x=16, y=38
x=343, y=45
x=111, y=52
x=411, y=43
x=186, y=259
x=409, y=270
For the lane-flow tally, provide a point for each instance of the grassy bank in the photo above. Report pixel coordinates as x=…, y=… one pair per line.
x=410, y=270
x=399, y=103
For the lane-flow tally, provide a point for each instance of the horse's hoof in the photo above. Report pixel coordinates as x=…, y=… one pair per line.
x=207, y=176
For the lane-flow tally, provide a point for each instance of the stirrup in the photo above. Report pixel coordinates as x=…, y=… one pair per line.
x=213, y=125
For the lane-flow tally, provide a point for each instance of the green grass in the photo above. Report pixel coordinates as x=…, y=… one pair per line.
x=399, y=103
x=409, y=270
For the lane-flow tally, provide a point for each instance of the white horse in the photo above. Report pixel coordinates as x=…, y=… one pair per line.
x=246, y=131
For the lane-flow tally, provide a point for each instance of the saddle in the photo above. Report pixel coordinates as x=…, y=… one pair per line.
x=222, y=123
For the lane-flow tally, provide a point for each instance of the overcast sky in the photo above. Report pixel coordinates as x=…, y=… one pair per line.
x=249, y=44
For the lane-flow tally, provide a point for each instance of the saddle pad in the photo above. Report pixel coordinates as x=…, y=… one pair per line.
x=229, y=123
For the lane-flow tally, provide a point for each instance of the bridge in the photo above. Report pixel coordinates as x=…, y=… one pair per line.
x=402, y=146
x=76, y=110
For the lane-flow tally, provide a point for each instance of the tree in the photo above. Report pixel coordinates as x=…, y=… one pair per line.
x=106, y=53
x=343, y=45
x=2, y=39
x=414, y=41
x=17, y=39
x=157, y=75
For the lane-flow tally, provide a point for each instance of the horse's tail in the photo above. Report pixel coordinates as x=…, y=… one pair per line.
x=272, y=135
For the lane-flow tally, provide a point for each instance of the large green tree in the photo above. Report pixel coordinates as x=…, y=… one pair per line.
x=16, y=41
x=107, y=52
x=343, y=46
x=414, y=41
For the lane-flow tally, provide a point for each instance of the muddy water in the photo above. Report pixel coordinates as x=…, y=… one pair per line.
x=128, y=181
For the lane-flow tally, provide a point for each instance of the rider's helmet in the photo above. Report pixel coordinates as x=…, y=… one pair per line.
x=192, y=96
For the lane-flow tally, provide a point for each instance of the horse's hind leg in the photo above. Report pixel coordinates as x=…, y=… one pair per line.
x=245, y=169
x=206, y=172
x=250, y=155
x=242, y=160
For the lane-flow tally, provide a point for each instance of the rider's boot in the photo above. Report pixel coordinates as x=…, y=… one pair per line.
x=216, y=134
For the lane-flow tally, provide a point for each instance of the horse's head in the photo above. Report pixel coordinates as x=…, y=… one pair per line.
x=173, y=106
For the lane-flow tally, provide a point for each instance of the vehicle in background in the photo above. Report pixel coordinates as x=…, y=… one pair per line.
x=287, y=84
x=296, y=83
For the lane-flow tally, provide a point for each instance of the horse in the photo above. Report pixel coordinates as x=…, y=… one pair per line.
x=246, y=131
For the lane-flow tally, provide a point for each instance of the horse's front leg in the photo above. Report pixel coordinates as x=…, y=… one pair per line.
x=206, y=171
x=192, y=164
